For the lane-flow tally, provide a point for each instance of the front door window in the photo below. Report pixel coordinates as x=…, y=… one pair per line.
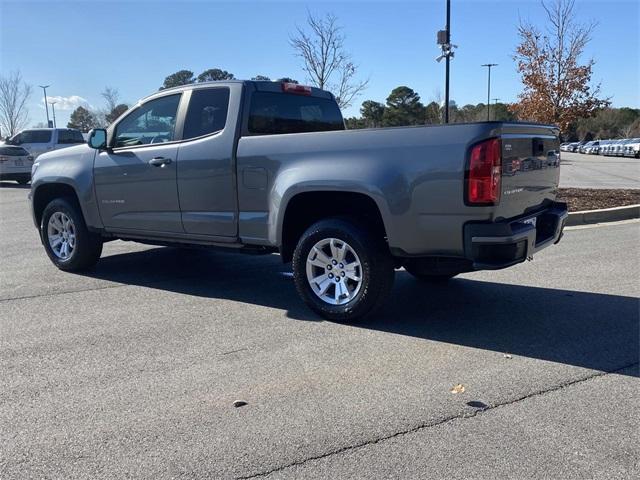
x=152, y=123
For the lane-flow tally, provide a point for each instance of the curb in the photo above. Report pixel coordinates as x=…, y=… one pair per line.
x=586, y=217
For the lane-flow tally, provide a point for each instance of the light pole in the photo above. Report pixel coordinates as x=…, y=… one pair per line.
x=495, y=102
x=46, y=105
x=444, y=40
x=489, y=65
x=53, y=109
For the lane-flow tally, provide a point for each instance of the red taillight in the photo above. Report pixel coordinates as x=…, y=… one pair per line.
x=288, y=87
x=483, y=178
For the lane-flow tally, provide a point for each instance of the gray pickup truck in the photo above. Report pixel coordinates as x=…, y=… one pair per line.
x=267, y=167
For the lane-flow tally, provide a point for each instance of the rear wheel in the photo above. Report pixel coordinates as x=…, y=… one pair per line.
x=66, y=239
x=342, y=270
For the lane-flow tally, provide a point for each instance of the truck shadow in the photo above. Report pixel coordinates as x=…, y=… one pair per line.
x=590, y=330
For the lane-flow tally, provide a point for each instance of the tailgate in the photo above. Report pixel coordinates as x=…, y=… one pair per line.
x=530, y=171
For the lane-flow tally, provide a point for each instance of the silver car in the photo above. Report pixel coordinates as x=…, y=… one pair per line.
x=40, y=140
x=15, y=164
x=632, y=148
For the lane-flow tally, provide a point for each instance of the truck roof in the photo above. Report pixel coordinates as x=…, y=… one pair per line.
x=262, y=85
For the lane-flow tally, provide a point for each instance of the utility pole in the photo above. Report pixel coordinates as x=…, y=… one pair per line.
x=444, y=40
x=46, y=105
x=489, y=65
x=495, y=103
x=53, y=109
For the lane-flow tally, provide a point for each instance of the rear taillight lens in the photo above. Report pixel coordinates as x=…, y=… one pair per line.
x=483, y=176
x=30, y=158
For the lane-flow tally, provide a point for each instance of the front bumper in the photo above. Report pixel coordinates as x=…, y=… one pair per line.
x=491, y=246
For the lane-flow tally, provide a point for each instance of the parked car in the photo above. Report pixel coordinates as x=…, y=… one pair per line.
x=39, y=140
x=620, y=147
x=268, y=167
x=586, y=148
x=582, y=146
x=632, y=148
x=576, y=146
x=15, y=164
x=603, y=146
x=571, y=147
x=594, y=149
x=564, y=147
x=610, y=148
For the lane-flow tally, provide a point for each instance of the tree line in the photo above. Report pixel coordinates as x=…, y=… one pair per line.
x=186, y=77
x=557, y=84
x=404, y=107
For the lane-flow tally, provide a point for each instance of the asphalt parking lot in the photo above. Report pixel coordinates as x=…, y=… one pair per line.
x=131, y=370
x=597, y=171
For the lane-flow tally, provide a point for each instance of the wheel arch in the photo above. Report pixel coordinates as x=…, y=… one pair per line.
x=44, y=193
x=303, y=208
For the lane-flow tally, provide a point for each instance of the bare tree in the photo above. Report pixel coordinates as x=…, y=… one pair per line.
x=327, y=63
x=111, y=96
x=557, y=87
x=14, y=94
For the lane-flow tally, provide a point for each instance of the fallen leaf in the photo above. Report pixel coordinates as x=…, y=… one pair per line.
x=507, y=355
x=459, y=388
x=239, y=403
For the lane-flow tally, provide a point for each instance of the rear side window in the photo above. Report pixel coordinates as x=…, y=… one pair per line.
x=69, y=137
x=13, y=151
x=274, y=113
x=207, y=112
x=35, y=136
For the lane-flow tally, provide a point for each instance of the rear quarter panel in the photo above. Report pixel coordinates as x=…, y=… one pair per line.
x=415, y=175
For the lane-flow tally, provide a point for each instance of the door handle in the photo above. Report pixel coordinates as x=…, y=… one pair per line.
x=159, y=161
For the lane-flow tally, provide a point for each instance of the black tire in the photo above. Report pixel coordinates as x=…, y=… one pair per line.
x=24, y=180
x=88, y=245
x=377, y=268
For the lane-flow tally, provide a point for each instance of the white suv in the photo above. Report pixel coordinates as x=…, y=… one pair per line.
x=40, y=140
x=632, y=148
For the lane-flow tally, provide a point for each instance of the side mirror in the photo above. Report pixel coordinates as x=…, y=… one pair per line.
x=97, y=138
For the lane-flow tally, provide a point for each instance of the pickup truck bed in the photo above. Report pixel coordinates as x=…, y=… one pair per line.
x=276, y=171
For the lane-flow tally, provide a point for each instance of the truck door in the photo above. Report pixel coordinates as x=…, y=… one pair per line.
x=206, y=168
x=135, y=181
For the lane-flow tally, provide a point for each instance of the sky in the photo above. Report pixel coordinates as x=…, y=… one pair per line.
x=80, y=47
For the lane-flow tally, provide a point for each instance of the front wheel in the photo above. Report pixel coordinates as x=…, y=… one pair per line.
x=342, y=270
x=66, y=239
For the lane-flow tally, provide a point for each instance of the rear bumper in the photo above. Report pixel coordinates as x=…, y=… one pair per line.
x=491, y=246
